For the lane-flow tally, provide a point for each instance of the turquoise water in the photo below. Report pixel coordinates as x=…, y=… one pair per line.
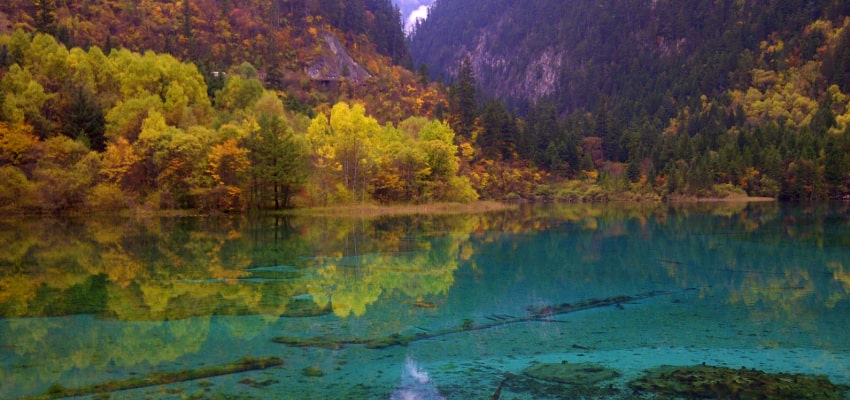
x=423, y=307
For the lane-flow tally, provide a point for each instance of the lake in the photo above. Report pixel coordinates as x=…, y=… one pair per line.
x=468, y=306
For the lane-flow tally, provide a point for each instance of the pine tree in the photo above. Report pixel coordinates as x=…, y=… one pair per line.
x=462, y=98
x=84, y=119
x=45, y=15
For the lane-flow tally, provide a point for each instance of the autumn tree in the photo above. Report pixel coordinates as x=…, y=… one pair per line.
x=227, y=164
x=352, y=132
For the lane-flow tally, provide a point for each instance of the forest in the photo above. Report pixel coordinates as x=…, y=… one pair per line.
x=140, y=130
x=690, y=98
x=210, y=105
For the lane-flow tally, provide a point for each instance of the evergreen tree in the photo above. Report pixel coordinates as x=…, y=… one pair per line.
x=462, y=99
x=278, y=167
x=45, y=15
x=84, y=119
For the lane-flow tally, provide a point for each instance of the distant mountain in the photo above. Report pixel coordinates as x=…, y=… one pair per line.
x=644, y=55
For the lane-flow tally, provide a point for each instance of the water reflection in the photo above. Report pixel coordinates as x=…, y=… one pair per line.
x=415, y=384
x=86, y=299
x=174, y=268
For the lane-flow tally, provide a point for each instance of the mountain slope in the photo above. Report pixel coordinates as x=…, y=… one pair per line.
x=304, y=47
x=668, y=97
x=581, y=52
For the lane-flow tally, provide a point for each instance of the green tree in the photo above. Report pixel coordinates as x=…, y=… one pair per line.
x=278, y=169
x=239, y=93
x=462, y=99
x=352, y=133
x=84, y=119
x=22, y=97
x=45, y=15
x=499, y=131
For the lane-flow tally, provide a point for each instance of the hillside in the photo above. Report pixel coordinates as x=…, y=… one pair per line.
x=215, y=106
x=681, y=95
x=581, y=52
x=300, y=47
x=224, y=105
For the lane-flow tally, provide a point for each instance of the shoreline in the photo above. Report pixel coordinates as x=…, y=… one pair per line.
x=369, y=210
x=728, y=199
x=365, y=210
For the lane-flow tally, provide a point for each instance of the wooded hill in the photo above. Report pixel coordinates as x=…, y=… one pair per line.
x=283, y=39
x=682, y=96
x=223, y=105
x=115, y=105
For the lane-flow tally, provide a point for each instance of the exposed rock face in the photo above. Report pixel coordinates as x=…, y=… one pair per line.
x=572, y=52
x=335, y=63
x=505, y=77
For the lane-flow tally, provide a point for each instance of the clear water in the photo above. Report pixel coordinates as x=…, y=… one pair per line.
x=88, y=301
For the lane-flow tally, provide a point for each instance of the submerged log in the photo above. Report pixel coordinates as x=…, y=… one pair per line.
x=536, y=314
x=161, y=378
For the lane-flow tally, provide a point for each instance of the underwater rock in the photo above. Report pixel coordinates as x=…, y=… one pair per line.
x=573, y=374
x=704, y=381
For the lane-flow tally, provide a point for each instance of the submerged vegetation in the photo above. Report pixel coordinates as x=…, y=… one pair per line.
x=705, y=381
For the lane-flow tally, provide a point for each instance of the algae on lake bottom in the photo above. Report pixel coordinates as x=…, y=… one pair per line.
x=703, y=381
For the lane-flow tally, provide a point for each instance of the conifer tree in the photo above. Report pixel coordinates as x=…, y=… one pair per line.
x=462, y=98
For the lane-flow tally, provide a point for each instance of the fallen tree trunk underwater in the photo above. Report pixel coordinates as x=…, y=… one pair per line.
x=160, y=378
x=539, y=314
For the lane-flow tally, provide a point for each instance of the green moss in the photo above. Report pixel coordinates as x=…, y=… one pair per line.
x=704, y=381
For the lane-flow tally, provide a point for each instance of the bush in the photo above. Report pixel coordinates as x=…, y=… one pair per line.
x=107, y=197
x=15, y=190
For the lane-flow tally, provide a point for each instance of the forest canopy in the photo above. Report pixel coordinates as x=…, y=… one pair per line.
x=83, y=130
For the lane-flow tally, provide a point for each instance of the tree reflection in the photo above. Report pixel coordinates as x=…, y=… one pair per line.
x=782, y=264
x=156, y=284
